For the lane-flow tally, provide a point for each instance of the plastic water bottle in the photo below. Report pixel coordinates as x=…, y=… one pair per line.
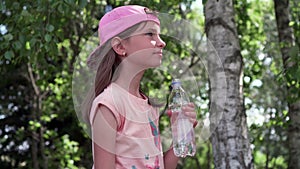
x=182, y=129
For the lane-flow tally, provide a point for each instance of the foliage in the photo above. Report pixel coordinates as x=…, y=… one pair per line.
x=40, y=89
x=293, y=74
x=40, y=41
x=38, y=125
x=264, y=81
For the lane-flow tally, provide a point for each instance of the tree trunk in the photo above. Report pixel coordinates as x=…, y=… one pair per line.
x=34, y=150
x=286, y=41
x=230, y=143
x=35, y=135
x=38, y=142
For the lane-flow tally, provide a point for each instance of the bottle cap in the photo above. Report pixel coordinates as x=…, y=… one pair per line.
x=176, y=83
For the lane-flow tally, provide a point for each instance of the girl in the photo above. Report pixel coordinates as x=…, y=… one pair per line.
x=124, y=123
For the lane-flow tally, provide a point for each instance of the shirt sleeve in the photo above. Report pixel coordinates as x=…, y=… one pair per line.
x=105, y=99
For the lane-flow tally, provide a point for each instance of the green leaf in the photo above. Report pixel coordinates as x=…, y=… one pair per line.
x=48, y=37
x=22, y=38
x=294, y=51
x=71, y=2
x=82, y=3
x=25, y=14
x=16, y=5
x=2, y=6
x=27, y=45
x=8, y=37
x=32, y=41
x=9, y=55
x=50, y=28
x=17, y=45
x=60, y=8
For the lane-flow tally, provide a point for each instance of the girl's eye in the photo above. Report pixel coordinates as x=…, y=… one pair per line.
x=150, y=34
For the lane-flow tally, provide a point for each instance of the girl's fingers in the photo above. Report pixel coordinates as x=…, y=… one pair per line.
x=195, y=124
x=190, y=114
x=189, y=111
x=189, y=107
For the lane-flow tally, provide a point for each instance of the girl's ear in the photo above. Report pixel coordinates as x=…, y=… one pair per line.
x=117, y=46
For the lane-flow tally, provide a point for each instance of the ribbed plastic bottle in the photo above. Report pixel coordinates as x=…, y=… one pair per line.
x=182, y=129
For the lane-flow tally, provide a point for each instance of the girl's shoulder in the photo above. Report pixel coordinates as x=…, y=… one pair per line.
x=109, y=99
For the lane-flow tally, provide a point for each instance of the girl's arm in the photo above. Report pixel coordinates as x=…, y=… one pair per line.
x=104, y=136
x=170, y=160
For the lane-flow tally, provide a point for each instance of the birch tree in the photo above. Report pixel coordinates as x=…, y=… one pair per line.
x=231, y=147
x=287, y=41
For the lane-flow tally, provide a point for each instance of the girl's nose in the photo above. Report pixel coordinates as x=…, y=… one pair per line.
x=160, y=43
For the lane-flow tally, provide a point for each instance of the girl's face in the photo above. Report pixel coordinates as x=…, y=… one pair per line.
x=144, y=48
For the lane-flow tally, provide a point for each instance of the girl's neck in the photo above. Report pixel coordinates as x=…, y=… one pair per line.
x=131, y=83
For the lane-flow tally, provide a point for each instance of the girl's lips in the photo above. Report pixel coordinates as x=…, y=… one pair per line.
x=158, y=52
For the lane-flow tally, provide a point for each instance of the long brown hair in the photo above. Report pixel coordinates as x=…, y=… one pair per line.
x=109, y=61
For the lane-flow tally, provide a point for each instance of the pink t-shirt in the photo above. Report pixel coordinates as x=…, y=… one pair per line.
x=138, y=144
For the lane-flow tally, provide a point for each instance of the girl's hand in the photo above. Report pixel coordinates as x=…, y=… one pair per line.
x=189, y=111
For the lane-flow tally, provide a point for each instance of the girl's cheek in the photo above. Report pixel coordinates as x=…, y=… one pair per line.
x=153, y=42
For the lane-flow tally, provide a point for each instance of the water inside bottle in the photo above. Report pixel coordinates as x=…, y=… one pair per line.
x=184, y=145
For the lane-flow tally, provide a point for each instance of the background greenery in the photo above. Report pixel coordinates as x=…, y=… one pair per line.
x=40, y=41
